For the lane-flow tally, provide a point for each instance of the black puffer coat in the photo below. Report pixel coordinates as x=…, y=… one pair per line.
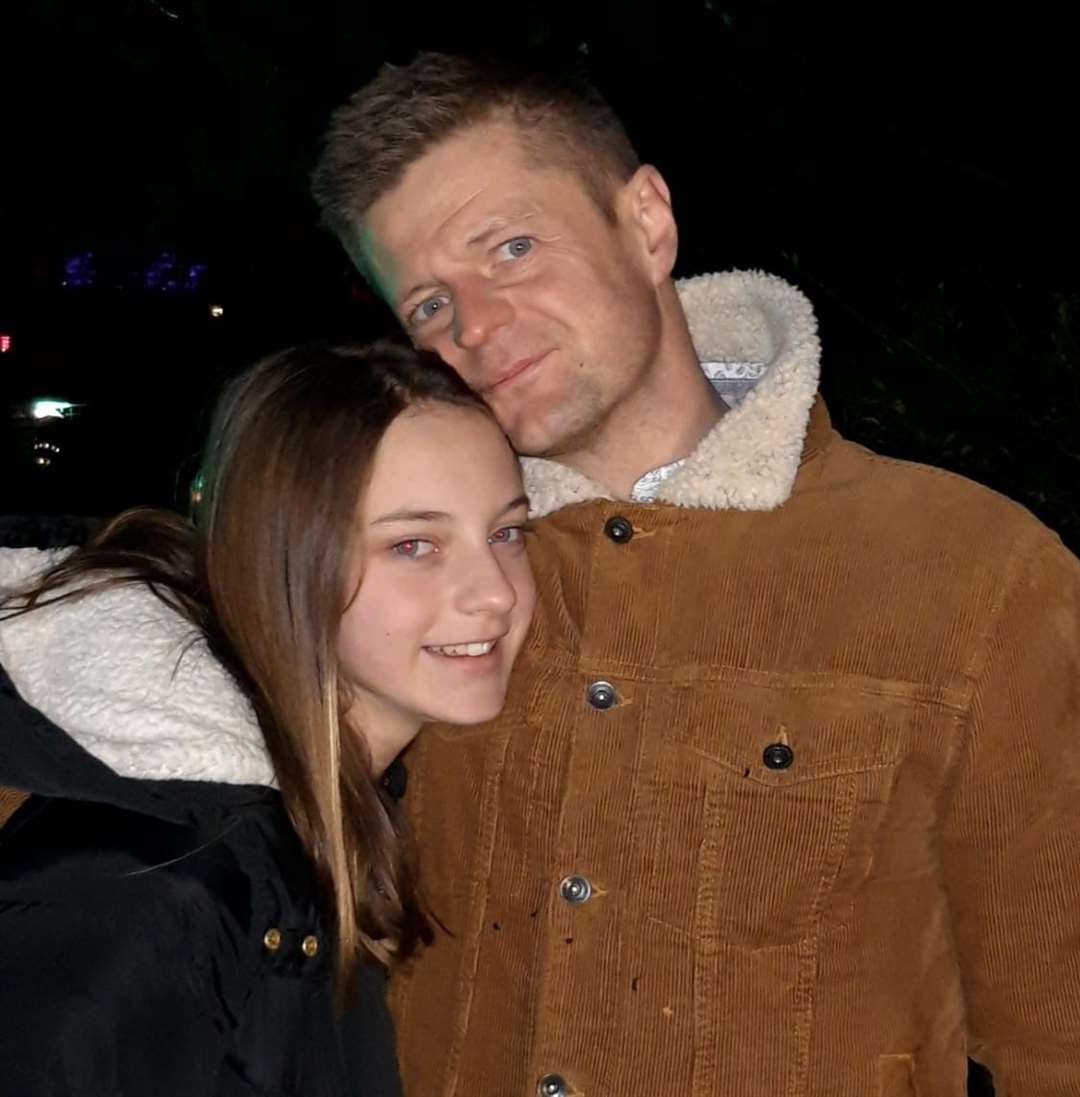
x=162, y=937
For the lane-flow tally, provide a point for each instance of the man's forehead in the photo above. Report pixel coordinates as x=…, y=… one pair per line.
x=447, y=178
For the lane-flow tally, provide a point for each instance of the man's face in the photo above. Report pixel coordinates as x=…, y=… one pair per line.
x=516, y=278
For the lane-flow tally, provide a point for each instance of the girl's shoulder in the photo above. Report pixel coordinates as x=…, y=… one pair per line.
x=209, y=854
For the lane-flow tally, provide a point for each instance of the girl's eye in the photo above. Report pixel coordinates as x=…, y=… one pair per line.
x=508, y=535
x=516, y=248
x=414, y=549
x=428, y=309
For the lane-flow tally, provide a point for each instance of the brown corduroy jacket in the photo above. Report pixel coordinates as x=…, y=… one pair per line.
x=818, y=834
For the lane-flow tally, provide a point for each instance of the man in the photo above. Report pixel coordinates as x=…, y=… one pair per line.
x=786, y=797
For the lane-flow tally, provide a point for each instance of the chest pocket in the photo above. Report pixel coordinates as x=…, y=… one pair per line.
x=763, y=805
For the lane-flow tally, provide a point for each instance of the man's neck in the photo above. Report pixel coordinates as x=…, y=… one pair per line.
x=663, y=423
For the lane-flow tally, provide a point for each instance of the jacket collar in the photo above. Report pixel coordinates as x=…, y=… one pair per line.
x=748, y=461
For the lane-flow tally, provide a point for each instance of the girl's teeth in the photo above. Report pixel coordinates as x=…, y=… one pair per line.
x=465, y=649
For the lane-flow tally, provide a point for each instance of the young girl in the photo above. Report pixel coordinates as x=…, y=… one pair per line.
x=171, y=922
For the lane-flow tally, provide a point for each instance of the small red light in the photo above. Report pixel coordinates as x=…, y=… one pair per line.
x=5, y=344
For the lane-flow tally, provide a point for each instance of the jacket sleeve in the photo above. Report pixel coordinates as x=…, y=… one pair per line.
x=115, y=977
x=1011, y=845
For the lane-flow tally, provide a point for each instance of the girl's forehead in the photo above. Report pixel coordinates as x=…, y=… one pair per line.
x=440, y=458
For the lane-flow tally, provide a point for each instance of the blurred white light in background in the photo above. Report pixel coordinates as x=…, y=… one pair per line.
x=216, y=311
x=50, y=409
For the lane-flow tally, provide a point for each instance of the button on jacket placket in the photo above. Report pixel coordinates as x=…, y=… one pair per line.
x=575, y=889
x=552, y=1085
x=618, y=529
x=601, y=695
x=595, y=834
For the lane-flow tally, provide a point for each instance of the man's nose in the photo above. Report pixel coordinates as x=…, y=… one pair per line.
x=479, y=311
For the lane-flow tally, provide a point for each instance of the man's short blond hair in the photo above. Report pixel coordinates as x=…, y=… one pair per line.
x=406, y=110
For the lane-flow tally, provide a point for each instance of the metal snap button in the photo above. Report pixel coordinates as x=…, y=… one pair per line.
x=778, y=756
x=575, y=889
x=552, y=1085
x=309, y=946
x=601, y=695
x=272, y=939
x=618, y=529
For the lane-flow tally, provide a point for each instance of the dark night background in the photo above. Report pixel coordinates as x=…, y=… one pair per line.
x=911, y=169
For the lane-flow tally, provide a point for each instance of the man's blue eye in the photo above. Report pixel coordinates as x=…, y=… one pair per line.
x=516, y=248
x=428, y=308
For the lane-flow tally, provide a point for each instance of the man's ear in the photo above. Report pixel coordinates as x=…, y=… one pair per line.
x=644, y=203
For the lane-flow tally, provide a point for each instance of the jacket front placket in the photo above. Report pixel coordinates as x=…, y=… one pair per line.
x=595, y=712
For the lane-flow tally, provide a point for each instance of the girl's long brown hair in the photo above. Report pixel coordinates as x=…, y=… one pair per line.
x=262, y=572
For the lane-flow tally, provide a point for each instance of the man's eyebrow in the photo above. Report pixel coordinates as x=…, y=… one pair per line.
x=412, y=293
x=489, y=230
x=497, y=225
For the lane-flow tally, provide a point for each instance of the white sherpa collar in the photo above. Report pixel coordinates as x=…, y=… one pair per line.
x=748, y=461
x=129, y=680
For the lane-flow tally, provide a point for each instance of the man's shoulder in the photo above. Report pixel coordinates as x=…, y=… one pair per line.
x=921, y=503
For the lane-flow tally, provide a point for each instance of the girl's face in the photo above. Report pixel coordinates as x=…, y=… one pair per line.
x=446, y=593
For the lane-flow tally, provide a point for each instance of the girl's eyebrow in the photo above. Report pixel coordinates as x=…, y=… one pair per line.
x=406, y=515
x=411, y=516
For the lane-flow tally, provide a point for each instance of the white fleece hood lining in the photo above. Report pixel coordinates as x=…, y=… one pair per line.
x=131, y=682
x=748, y=461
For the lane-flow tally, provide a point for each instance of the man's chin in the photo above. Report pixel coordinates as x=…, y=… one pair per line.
x=531, y=443
x=544, y=426
x=532, y=435
x=551, y=446
x=527, y=438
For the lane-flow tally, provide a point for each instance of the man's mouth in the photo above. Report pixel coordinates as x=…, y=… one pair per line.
x=516, y=369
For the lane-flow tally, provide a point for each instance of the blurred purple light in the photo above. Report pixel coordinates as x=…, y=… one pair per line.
x=80, y=270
